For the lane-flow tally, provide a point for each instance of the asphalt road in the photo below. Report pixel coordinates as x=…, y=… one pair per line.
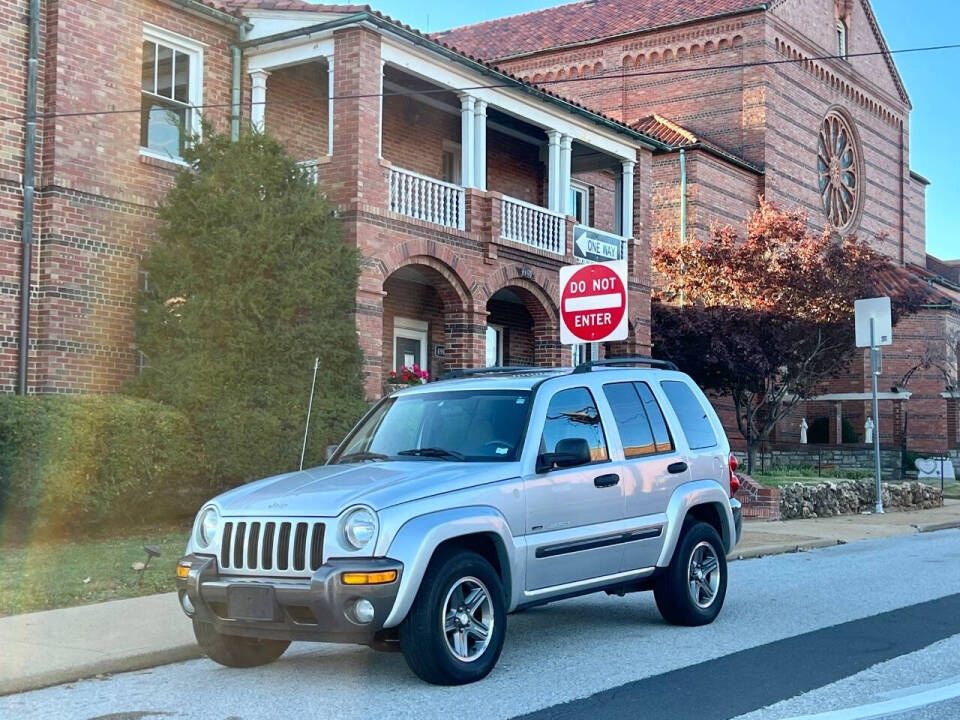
x=873, y=625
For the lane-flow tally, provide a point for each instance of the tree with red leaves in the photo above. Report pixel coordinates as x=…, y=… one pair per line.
x=765, y=319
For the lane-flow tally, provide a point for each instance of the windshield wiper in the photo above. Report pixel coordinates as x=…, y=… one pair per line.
x=361, y=456
x=436, y=452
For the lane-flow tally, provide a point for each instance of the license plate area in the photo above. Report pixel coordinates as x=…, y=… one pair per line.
x=251, y=602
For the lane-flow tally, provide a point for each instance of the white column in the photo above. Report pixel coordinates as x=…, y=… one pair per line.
x=380, y=117
x=466, y=140
x=553, y=170
x=566, y=154
x=330, y=105
x=626, y=201
x=480, y=144
x=258, y=98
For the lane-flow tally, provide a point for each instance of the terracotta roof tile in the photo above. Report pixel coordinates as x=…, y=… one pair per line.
x=223, y=6
x=580, y=22
x=664, y=130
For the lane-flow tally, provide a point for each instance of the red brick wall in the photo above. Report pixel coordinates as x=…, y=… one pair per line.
x=296, y=109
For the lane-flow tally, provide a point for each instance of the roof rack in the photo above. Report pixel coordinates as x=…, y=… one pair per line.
x=637, y=360
x=494, y=370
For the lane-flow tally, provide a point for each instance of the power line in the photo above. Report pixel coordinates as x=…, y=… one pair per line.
x=611, y=75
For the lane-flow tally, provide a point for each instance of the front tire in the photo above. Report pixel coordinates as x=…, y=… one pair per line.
x=454, y=632
x=235, y=651
x=692, y=590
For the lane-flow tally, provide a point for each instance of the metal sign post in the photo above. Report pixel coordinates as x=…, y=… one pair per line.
x=874, y=328
x=874, y=372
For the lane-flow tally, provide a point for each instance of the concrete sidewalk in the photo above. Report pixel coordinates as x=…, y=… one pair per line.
x=57, y=646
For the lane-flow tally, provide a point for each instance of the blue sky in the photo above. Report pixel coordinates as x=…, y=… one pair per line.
x=932, y=80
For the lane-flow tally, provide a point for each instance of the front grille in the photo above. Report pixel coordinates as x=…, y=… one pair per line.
x=273, y=547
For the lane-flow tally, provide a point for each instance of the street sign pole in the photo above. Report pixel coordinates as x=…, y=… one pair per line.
x=874, y=371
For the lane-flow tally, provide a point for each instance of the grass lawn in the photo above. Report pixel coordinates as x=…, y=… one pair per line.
x=44, y=576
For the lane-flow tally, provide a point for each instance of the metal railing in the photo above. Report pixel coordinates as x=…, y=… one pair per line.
x=426, y=198
x=532, y=225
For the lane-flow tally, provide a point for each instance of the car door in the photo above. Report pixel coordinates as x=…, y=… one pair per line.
x=652, y=469
x=572, y=513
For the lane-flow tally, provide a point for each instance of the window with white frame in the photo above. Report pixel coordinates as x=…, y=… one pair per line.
x=494, y=346
x=841, y=39
x=451, y=162
x=170, y=92
x=580, y=202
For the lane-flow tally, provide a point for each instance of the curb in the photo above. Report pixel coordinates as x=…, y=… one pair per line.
x=139, y=661
x=784, y=548
x=933, y=527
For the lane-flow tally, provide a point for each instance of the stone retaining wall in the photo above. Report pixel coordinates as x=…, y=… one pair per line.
x=851, y=497
x=853, y=457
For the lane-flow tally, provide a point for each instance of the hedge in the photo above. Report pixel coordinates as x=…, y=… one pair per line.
x=80, y=460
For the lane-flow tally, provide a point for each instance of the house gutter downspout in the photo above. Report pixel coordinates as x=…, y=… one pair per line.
x=683, y=208
x=29, y=161
x=237, y=62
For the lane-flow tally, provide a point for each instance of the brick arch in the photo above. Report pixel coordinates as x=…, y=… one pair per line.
x=535, y=294
x=437, y=257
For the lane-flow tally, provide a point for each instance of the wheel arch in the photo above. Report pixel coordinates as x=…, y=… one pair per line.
x=703, y=500
x=479, y=529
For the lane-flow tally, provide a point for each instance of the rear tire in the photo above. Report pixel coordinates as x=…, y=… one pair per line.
x=235, y=651
x=692, y=590
x=454, y=632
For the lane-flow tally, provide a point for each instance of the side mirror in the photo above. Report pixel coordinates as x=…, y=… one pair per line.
x=570, y=452
x=330, y=450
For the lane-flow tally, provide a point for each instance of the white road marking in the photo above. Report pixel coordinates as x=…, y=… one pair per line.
x=932, y=696
x=593, y=302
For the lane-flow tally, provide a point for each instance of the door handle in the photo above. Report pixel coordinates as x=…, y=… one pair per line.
x=677, y=467
x=602, y=481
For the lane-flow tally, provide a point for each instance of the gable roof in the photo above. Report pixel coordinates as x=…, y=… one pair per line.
x=581, y=22
x=676, y=137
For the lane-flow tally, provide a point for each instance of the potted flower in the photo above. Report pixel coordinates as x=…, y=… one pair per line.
x=407, y=377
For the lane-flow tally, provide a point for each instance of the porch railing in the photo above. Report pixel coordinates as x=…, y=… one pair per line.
x=533, y=225
x=312, y=170
x=426, y=198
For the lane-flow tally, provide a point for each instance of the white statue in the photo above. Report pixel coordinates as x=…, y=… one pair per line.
x=868, y=430
x=803, y=431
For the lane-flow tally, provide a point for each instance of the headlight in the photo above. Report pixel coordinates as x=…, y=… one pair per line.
x=207, y=527
x=359, y=527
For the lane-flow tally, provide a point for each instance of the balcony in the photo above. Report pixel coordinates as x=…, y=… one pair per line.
x=534, y=226
x=426, y=198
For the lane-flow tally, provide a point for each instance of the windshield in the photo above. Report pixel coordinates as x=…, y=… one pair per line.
x=459, y=426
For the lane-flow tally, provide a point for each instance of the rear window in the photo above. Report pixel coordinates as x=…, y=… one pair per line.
x=693, y=418
x=635, y=416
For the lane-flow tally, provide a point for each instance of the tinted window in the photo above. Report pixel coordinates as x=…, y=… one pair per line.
x=661, y=433
x=574, y=414
x=693, y=418
x=632, y=422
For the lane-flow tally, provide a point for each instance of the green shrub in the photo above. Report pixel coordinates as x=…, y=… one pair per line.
x=249, y=281
x=81, y=460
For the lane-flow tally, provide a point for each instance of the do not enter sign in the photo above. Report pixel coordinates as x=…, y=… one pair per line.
x=593, y=302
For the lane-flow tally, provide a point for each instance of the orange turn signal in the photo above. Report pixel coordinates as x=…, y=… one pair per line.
x=183, y=570
x=369, y=578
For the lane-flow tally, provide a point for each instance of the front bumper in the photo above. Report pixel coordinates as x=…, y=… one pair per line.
x=317, y=608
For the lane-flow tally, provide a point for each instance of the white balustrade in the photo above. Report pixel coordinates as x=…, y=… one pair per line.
x=533, y=225
x=312, y=170
x=426, y=198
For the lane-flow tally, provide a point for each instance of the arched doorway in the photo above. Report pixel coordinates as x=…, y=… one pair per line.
x=425, y=318
x=522, y=328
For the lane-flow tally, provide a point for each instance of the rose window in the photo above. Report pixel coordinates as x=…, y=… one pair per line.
x=840, y=171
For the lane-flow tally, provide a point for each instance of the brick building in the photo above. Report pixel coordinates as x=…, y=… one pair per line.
x=460, y=171
x=808, y=112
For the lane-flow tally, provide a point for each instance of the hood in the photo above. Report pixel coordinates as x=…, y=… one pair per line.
x=328, y=490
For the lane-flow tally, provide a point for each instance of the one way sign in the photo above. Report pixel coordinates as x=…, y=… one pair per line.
x=590, y=245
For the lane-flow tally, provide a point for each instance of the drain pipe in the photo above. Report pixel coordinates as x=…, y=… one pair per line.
x=236, y=70
x=683, y=208
x=29, y=160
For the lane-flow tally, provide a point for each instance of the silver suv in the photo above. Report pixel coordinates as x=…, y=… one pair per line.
x=453, y=504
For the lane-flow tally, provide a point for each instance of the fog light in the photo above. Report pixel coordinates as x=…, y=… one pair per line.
x=363, y=611
x=187, y=606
